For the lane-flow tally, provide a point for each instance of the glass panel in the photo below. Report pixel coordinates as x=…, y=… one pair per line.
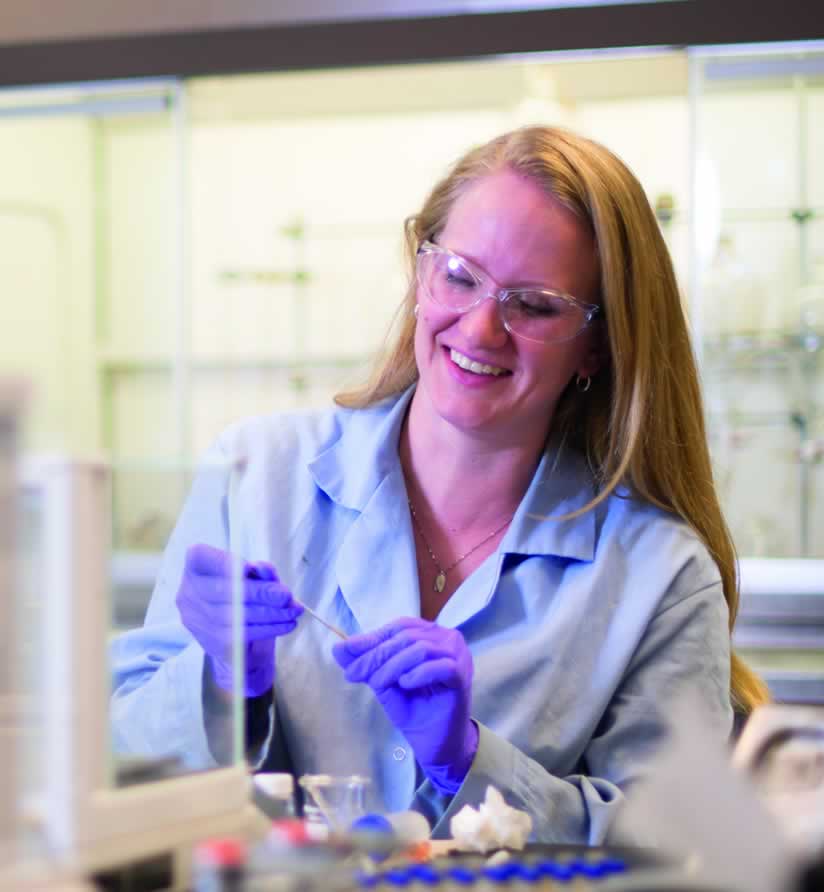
x=761, y=290
x=296, y=249
x=87, y=256
x=223, y=394
x=45, y=246
x=766, y=122
x=761, y=447
x=169, y=714
x=141, y=233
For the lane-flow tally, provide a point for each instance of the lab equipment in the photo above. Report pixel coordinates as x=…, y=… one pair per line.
x=219, y=865
x=19, y=718
x=9, y=407
x=428, y=700
x=205, y=601
x=333, y=801
x=539, y=869
x=90, y=825
x=263, y=570
x=274, y=794
x=381, y=835
x=781, y=749
x=342, y=635
x=409, y=827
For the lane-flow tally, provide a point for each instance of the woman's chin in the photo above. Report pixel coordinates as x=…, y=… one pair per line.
x=463, y=415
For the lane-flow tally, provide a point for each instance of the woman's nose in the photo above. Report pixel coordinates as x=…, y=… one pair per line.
x=483, y=323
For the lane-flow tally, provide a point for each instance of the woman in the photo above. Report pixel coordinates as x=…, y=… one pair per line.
x=514, y=522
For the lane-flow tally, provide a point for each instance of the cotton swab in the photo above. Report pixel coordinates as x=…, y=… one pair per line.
x=342, y=635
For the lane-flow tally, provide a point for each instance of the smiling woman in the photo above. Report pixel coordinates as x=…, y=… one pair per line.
x=513, y=523
x=515, y=233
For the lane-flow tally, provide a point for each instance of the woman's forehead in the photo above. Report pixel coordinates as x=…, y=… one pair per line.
x=510, y=227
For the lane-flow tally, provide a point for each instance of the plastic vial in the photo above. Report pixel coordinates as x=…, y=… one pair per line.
x=274, y=795
x=219, y=866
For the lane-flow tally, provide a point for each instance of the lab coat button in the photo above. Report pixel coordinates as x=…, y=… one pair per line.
x=399, y=754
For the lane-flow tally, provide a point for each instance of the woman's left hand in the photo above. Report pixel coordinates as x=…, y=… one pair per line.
x=422, y=675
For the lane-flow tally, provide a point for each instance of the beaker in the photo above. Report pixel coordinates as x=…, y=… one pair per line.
x=333, y=800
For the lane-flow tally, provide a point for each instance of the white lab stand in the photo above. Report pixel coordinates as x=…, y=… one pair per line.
x=10, y=399
x=87, y=823
x=17, y=868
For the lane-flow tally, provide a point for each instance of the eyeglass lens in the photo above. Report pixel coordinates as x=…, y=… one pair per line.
x=538, y=315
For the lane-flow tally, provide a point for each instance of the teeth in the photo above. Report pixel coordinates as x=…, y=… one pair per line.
x=470, y=365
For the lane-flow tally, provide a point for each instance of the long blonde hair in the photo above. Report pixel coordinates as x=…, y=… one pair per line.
x=641, y=424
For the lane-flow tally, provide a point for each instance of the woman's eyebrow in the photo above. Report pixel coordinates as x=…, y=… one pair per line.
x=517, y=285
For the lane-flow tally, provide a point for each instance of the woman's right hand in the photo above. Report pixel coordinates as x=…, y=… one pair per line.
x=204, y=600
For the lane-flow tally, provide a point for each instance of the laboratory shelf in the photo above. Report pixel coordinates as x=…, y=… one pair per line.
x=780, y=626
x=793, y=214
x=132, y=576
x=781, y=576
x=139, y=365
x=135, y=569
x=795, y=687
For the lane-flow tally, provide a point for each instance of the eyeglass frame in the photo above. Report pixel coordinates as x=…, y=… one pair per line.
x=501, y=294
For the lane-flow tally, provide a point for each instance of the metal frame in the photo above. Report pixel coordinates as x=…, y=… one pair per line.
x=292, y=43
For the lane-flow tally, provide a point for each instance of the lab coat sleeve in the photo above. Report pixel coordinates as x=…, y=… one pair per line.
x=685, y=646
x=157, y=705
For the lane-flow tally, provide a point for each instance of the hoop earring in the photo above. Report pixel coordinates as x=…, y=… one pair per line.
x=583, y=384
x=415, y=310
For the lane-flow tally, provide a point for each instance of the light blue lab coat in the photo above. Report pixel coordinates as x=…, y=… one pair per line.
x=581, y=630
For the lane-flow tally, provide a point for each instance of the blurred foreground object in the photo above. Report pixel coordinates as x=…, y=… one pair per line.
x=781, y=749
x=694, y=807
x=333, y=802
x=84, y=812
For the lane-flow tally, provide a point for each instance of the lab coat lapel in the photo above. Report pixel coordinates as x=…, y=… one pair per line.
x=473, y=594
x=360, y=472
x=561, y=484
x=376, y=568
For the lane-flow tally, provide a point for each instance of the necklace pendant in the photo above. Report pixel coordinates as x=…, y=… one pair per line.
x=440, y=582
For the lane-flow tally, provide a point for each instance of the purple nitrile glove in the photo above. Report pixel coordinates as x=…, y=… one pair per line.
x=204, y=600
x=421, y=674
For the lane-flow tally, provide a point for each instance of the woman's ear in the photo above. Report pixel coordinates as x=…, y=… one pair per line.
x=597, y=352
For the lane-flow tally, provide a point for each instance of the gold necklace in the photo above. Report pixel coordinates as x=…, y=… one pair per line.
x=440, y=580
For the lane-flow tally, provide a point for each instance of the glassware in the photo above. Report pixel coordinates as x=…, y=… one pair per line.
x=333, y=800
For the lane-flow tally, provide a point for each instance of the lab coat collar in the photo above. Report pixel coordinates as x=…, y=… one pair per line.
x=361, y=472
x=561, y=485
x=355, y=466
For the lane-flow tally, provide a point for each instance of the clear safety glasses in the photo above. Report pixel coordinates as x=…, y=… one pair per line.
x=535, y=314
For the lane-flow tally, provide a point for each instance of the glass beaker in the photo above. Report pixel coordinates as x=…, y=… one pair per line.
x=333, y=800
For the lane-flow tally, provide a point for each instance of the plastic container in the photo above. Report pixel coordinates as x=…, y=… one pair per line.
x=219, y=865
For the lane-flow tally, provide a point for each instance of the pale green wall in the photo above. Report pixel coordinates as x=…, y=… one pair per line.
x=46, y=258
